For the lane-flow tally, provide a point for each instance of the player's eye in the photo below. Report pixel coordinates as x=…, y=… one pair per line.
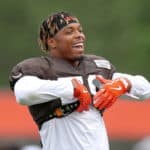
x=69, y=31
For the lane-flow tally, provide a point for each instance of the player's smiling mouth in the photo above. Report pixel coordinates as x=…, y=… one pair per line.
x=78, y=45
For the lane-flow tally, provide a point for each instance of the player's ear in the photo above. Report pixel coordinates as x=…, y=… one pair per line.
x=51, y=42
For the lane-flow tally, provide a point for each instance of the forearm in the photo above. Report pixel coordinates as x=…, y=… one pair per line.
x=140, y=87
x=30, y=90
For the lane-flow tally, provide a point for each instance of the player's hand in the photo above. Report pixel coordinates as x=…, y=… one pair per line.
x=82, y=94
x=110, y=91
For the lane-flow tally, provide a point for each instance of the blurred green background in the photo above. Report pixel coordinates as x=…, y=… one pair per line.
x=116, y=29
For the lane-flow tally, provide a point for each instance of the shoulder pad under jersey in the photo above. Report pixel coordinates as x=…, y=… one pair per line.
x=37, y=66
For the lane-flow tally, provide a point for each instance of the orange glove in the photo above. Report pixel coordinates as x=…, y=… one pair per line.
x=81, y=92
x=110, y=91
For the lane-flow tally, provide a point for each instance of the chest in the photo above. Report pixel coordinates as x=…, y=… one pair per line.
x=86, y=71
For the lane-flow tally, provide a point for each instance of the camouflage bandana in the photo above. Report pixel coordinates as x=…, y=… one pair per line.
x=57, y=21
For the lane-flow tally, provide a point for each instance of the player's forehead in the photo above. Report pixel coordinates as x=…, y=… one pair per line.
x=73, y=26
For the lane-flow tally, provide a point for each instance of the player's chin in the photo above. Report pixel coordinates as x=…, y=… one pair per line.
x=78, y=53
x=78, y=57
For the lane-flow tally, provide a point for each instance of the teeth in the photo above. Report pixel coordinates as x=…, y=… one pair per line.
x=79, y=44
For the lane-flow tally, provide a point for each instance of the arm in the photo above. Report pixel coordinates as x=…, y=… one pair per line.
x=30, y=90
x=140, y=86
x=134, y=86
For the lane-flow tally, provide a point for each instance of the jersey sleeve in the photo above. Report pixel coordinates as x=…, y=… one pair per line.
x=30, y=90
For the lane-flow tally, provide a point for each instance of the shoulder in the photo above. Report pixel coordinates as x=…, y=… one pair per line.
x=101, y=62
x=30, y=65
x=36, y=66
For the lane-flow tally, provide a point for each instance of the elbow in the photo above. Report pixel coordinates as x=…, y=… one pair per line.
x=21, y=101
x=23, y=96
x=145, y=96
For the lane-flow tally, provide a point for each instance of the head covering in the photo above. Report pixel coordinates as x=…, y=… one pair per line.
x=59, y=20
x=53, y=25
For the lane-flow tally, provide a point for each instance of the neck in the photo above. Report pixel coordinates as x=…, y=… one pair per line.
x=74, y=63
